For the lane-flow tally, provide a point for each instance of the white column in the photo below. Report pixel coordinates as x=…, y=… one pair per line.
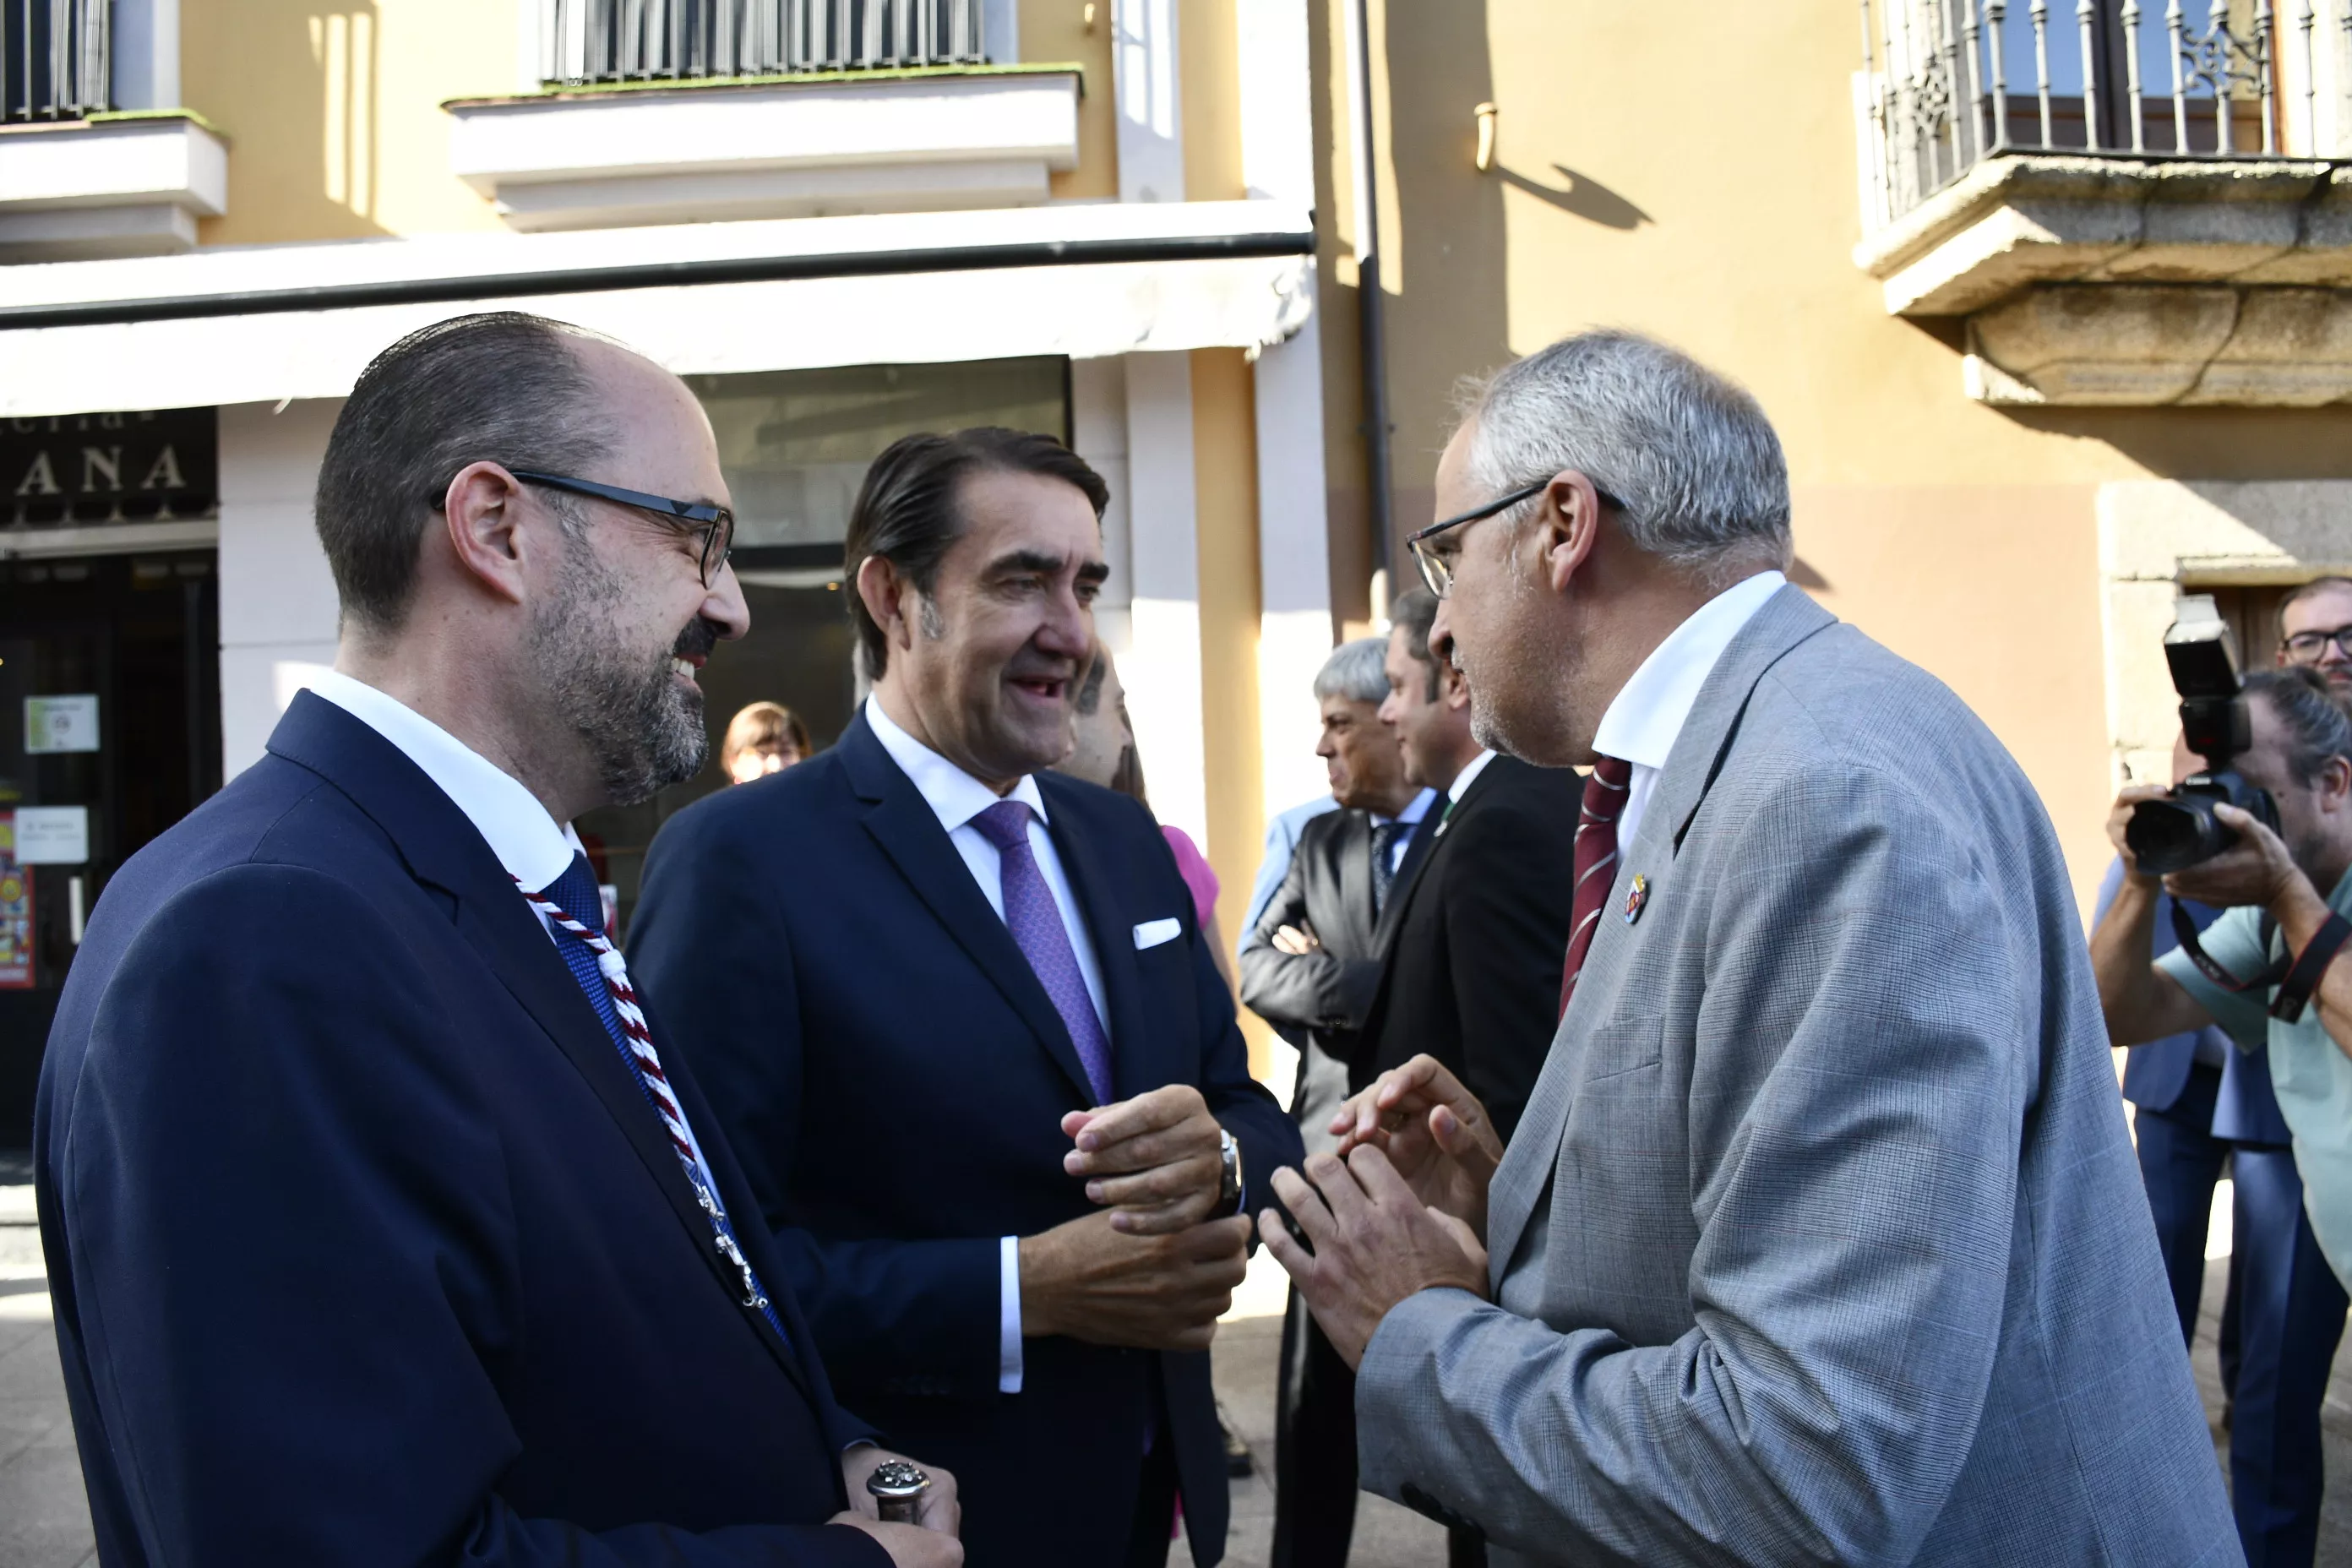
x=1293, y=564
x=1099, y=434
x=276, y=594
x=1294, y=633
x=1151, y=121
x=1162, y=664
x=145, y=47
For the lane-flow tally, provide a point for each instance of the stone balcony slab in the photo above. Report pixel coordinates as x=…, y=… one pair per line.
x=938, y=139
x=111, y=186
x=2016, y=222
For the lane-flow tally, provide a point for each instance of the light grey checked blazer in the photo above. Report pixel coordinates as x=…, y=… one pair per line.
x=1821, y=1239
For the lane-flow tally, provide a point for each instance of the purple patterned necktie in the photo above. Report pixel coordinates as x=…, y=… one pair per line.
x=1035, y=921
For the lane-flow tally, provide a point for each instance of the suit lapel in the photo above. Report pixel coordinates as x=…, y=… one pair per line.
x=909, y=831
x=443, y=849
x=1352, y=847
x=1701, y=750
x=1113, y=947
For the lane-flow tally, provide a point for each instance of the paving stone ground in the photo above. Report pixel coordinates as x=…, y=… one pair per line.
x=45, y=1519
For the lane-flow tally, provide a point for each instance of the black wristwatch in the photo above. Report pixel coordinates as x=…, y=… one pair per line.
x=1229, y=1176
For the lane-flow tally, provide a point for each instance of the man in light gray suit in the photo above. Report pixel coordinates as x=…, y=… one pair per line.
x=1821, y=1239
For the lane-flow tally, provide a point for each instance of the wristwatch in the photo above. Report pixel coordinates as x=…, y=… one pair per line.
x=1229, y=1176
x=898, y=1488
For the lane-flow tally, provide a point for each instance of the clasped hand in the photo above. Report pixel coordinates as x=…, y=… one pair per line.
x=1148, y=1269
x=1401, y=1210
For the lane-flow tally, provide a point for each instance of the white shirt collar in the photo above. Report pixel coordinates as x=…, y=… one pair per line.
x=953, y=793
x=1647, y=717
x=1468, y=776
x=528, y=842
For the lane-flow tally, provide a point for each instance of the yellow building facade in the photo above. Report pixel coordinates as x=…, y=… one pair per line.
x=2041, y=353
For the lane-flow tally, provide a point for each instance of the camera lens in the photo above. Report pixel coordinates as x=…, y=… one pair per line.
x=2176, y=833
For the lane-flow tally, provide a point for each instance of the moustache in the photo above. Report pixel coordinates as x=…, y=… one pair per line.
x=696, y=640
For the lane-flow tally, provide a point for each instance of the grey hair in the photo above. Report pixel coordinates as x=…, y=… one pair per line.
x=1690, y=455
x=1355, y=671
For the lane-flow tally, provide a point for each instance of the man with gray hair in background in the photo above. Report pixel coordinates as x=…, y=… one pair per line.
x=1821, y=1238
x=1310, y=964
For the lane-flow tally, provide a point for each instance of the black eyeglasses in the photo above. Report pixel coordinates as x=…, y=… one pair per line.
x=717, y=524
x=1437, y=571
x=2310, y=648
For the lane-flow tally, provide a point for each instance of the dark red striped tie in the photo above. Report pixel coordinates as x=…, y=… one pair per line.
x=1596, y=861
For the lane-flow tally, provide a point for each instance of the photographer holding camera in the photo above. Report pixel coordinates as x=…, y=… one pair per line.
x=2268, y=969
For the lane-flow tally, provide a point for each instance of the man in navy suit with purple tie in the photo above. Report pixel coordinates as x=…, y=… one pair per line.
x=962, y=1026
x=383, y=1226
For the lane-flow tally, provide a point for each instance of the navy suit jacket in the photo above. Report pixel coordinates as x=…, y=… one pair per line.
x=367, y=1247
x=894, y=1077
x=2246, y=1109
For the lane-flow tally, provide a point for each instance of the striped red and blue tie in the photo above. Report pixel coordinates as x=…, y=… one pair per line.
x=1596, y=861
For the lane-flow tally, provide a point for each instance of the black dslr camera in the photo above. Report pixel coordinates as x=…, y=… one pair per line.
x=2180, y=830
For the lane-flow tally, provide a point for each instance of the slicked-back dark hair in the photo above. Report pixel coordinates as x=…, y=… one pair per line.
x=1415, y=613
x=907, y=509
x=2319, y=729
x=502, y=387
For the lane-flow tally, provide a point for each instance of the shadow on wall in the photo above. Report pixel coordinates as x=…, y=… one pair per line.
x=309, y=152
x=2189, y=443
x=1448, y=239
x=1584, y=196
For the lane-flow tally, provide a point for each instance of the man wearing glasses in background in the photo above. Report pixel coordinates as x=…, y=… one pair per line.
x=2316, y=629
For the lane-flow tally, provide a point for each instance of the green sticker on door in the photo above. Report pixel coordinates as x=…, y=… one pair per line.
x=67, y=724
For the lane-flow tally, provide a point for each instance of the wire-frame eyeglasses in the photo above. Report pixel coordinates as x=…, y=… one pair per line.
x=1437, y=571
x=717, y=524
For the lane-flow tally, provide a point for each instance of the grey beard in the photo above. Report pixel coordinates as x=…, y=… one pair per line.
x=643, y=732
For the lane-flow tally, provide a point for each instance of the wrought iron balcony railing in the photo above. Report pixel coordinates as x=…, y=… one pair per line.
x=601, y=41
x=1947, y=84
x=54, y=61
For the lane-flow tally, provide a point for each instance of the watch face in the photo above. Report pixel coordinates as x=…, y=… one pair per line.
x=896, y=1478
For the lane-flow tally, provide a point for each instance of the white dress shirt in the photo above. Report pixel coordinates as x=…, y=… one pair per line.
x=535, y=849
x=1466, y=777
x=1647, y=717
x=956, y=797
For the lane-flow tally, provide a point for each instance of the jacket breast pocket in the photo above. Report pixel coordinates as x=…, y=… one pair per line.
x=1622, y=1045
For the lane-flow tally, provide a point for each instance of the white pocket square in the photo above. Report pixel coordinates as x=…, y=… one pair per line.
x=1151, y=933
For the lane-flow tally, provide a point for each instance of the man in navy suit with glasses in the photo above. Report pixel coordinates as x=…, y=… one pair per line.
x=962, y=1025
x=382, y=1224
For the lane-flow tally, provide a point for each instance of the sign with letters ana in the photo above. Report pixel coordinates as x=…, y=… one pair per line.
x=74, y=469
x=52, y=835
x=67, y=724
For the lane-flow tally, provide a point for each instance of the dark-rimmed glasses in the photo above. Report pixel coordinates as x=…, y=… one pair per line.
x=2310, y=648
x=717, y=524
x=1437, y=571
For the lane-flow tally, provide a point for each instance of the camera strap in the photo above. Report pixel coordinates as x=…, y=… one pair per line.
x=2295, y=990
x=2185, y=930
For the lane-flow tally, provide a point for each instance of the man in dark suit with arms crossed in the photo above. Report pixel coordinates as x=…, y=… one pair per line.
x=381, y=1227
x=967, y=1035
x=1311, y=963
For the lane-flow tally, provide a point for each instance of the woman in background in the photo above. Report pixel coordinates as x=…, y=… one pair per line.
x=1105, y=754
x=764, y=738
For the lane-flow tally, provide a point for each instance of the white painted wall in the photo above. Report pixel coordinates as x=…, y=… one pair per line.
x=278, y=597
x=1162, y=666
x=1099, y=434
x=1150, y=119
x=144, y=41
